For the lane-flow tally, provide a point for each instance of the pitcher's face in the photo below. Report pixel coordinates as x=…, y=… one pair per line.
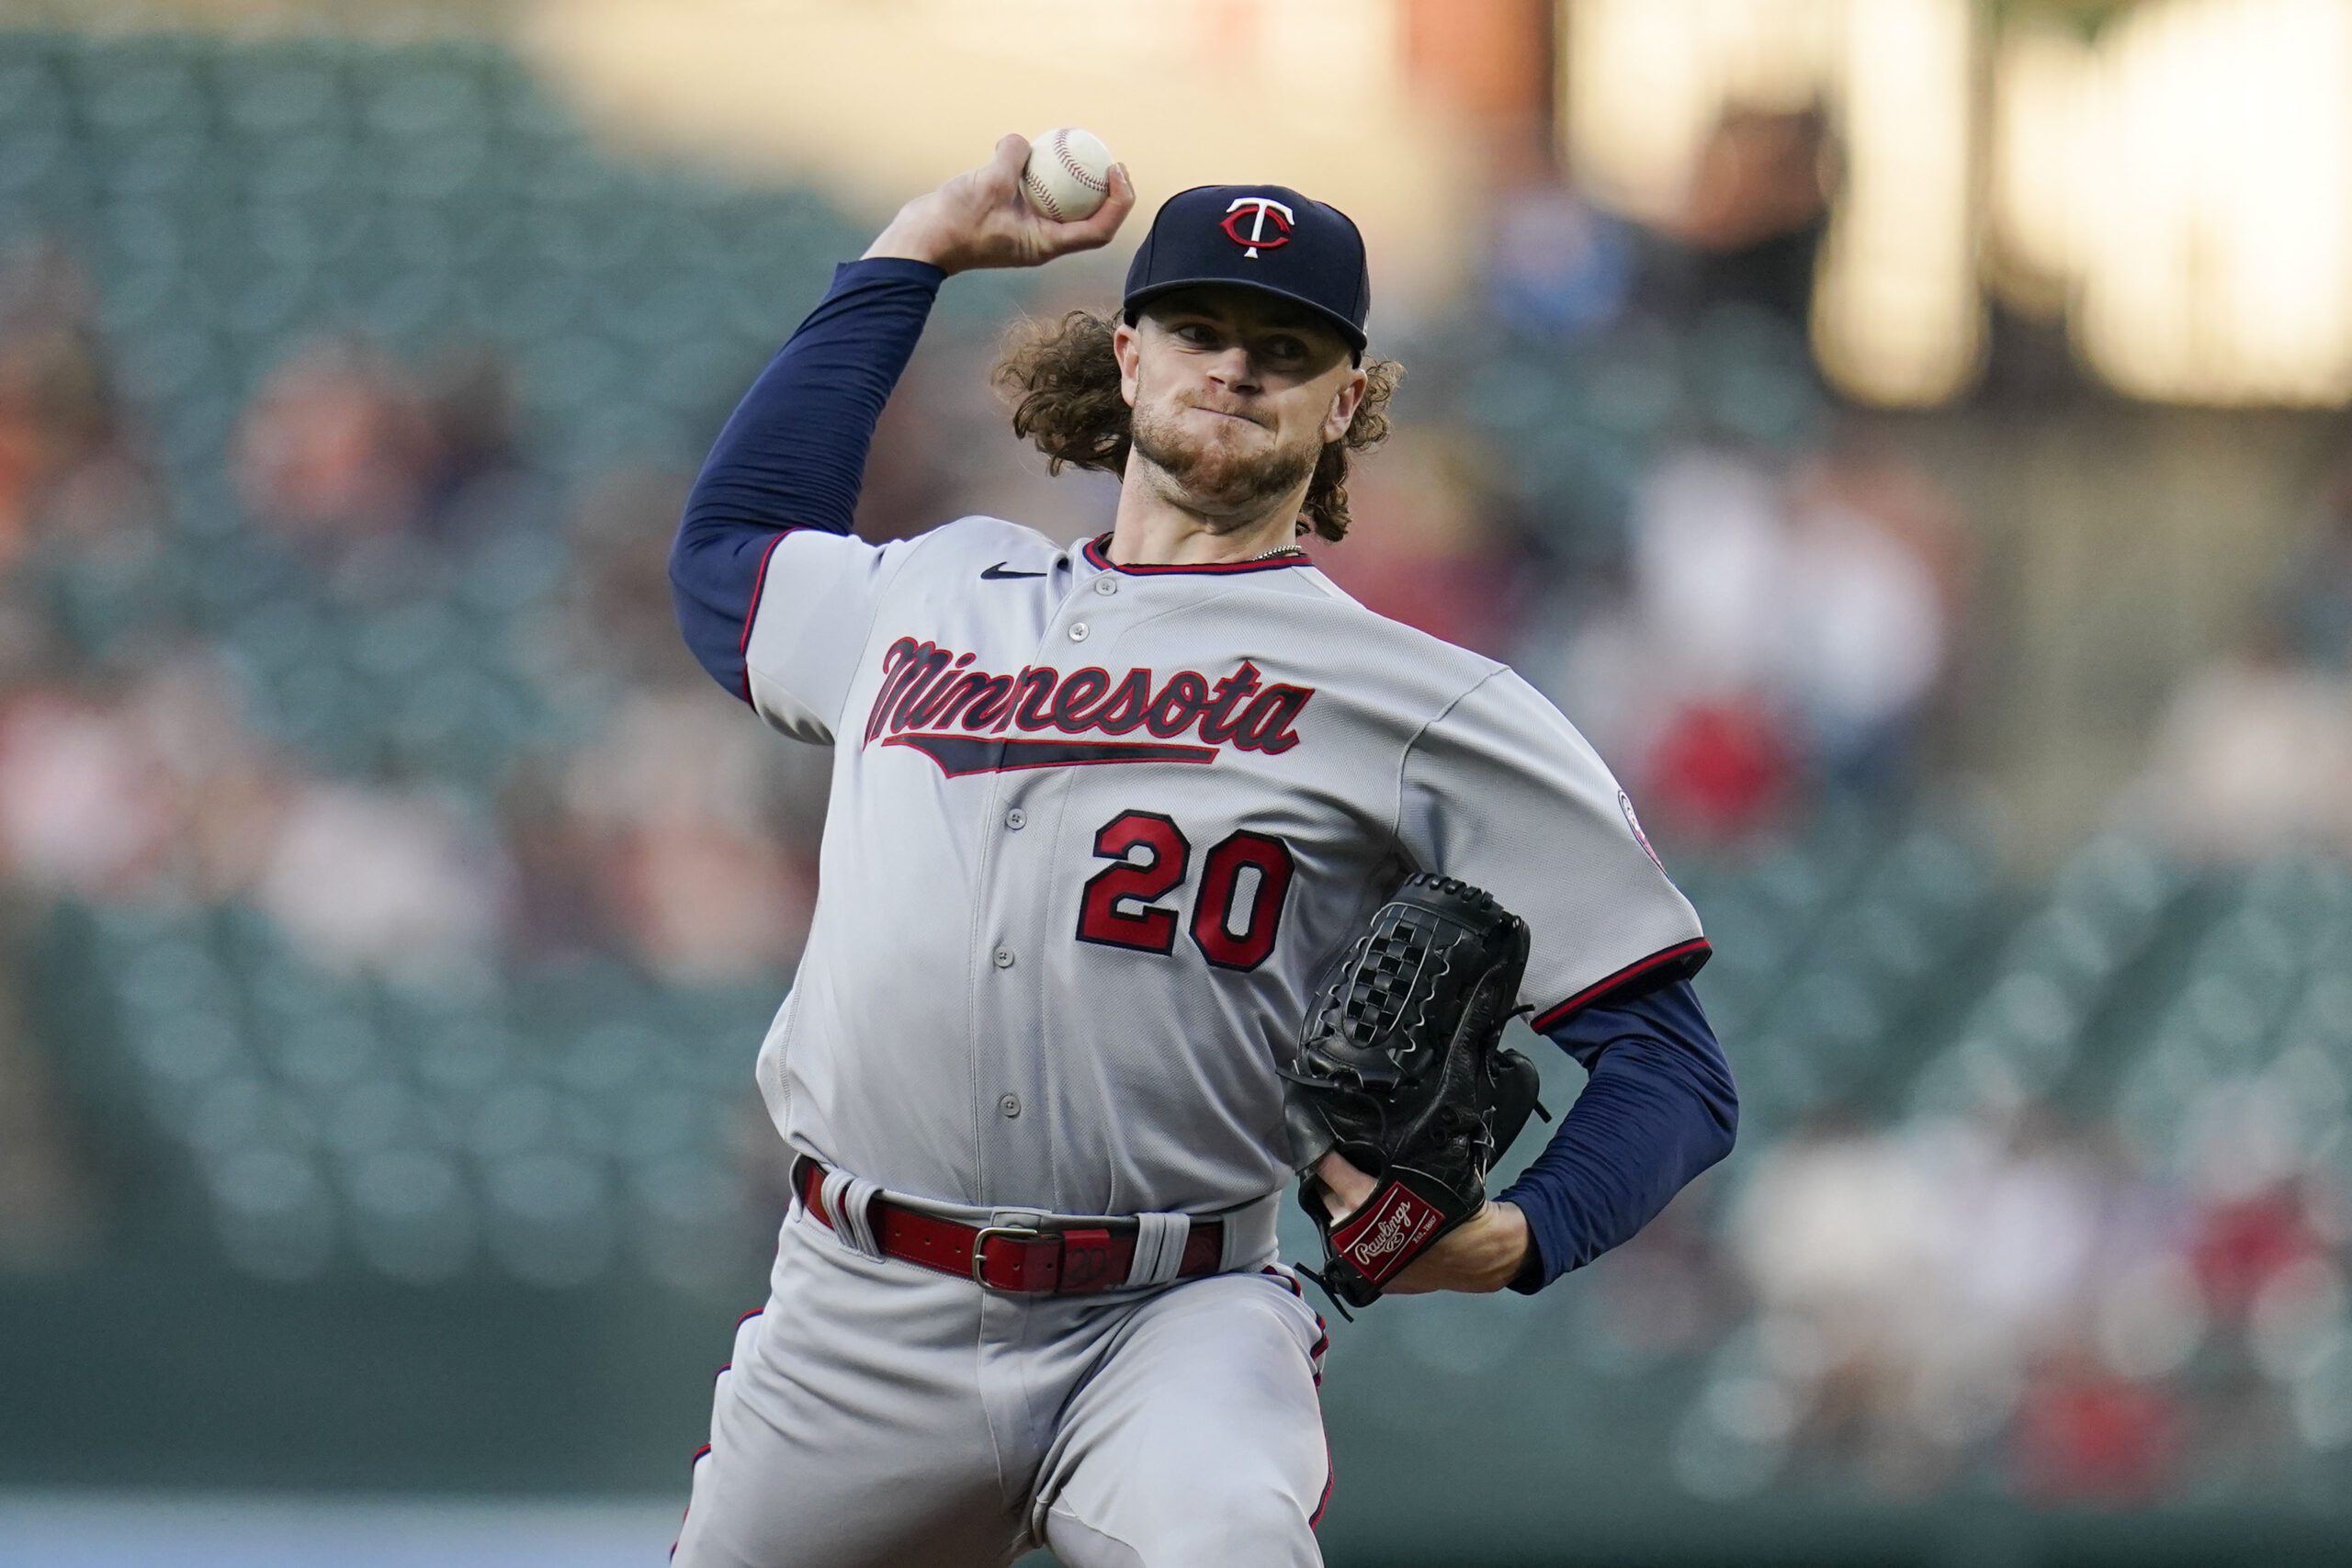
x=1234, y=395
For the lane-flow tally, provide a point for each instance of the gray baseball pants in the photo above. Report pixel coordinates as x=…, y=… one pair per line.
x=878, y=1415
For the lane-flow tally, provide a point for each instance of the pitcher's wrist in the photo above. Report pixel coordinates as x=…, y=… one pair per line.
x=913, y=239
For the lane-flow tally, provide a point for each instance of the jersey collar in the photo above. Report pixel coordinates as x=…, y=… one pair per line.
x=1098, y=555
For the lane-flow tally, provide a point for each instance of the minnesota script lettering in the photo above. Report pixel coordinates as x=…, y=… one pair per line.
x=931, y=690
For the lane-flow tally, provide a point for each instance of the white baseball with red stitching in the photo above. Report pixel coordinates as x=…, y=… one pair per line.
x=1068, y=174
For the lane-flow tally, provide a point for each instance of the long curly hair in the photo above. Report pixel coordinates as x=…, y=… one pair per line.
x=1062, y=381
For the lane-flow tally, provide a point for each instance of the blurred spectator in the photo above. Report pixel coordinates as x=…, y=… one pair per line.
x=395, y=880
x=1756, y=212
x=1710, y=570
x=1713, y=752
x=1780, y=630
x=475, y=480
x=1422, y=549
x=85, y=807
x=338, y=446
x=1870, y=606
x=2085, y=1435
x=155, y=791
x=2242, y=1246
x=1943, y=1284
x=557, y=907
x=48, y=1212
x=2256, y=755
x=58, y=411
x=1556, y=264
x=615, y=621
x=675, y=795
x=1719, y=771
x=73, y=485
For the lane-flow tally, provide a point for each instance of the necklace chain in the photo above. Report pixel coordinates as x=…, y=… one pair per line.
x=1104, y=545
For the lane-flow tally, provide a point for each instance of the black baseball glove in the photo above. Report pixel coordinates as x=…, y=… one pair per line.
x=1399, y=1069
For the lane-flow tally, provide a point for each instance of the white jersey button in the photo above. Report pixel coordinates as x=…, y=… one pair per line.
x=1004, y=958
x=1078, y=632
x=1016, y=819
x=1009, y=1105
x=1106, y=585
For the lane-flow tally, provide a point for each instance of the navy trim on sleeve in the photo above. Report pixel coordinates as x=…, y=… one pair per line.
x=1659, y=1108
x=793, y=455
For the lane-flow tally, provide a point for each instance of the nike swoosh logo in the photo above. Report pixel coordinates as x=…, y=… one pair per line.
x=998, y=574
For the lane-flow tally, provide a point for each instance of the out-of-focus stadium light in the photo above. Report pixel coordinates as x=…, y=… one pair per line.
x=2215, y=261
x=2179, y=183
x=2042, y=120
x=1897, y=319
x=1896, y=315
x=1643, y=81
x=1311, y=93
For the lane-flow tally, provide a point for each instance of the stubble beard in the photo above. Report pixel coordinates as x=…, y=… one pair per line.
x=1225, y=487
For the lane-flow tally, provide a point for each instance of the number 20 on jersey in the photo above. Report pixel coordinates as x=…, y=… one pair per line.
x=1150, y=859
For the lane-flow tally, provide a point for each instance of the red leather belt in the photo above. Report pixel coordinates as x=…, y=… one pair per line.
x=1015, y=1259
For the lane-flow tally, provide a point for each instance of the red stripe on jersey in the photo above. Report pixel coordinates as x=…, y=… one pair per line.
x=1330, y=1479
x=752, y=610
x=1697, y=947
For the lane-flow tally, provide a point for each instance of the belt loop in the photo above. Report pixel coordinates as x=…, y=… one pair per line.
x=848, y=1199
x=801, y=1166
x=1159, y=1247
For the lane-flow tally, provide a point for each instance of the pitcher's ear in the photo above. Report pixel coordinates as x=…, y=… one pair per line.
x=1344, y=403
x=1126, y=347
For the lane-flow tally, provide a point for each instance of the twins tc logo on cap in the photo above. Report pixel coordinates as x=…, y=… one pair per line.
x=1227, y=235
x=1270, y=223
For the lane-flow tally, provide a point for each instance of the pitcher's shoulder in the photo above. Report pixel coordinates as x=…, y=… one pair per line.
x=1365, y=639
x=1016, y=546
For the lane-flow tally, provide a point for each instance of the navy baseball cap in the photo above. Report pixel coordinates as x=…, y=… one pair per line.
x=1269, y=238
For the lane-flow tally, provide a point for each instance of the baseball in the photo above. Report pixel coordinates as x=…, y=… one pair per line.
x=1068, y=174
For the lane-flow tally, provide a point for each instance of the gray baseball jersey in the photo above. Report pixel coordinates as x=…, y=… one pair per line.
x=1094, y=830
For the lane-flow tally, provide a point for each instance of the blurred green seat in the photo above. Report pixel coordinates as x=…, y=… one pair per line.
x=275, y=1213
x=326, y=1052
x=245, y=1112
x=413, y=1216
x=379, y=1112
x=549, y=1219
x=685, y=1218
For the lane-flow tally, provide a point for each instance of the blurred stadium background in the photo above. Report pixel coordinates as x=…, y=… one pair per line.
x=1907, y=435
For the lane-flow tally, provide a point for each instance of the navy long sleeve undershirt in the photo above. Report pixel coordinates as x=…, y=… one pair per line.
x=1659, y=1109
x=793, y=455
x=1659, y=1106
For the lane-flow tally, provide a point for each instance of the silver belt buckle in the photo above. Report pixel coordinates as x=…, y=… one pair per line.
x=981, y=1244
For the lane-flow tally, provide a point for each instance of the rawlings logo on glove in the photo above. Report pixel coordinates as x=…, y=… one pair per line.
x=1397, y=1219
x=1400, y=1071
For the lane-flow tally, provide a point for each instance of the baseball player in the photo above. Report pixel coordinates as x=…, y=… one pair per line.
x=1098, y=817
